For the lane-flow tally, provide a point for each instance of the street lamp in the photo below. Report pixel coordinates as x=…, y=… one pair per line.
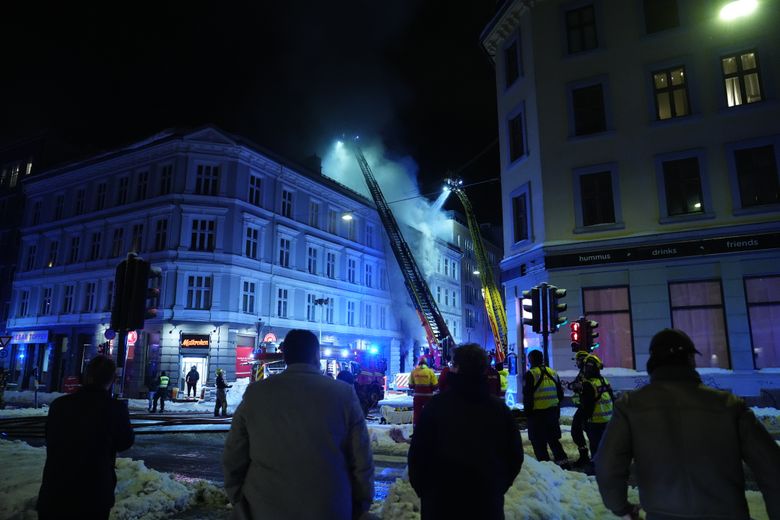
x=321, y=302
x=738, y=9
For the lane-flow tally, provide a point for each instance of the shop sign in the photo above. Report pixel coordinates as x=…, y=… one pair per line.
x=195, y=340
x=269, y=338
x=30, y=336
x=244, y=356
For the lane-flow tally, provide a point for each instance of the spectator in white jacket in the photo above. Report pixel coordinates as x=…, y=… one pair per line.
x=298, y=446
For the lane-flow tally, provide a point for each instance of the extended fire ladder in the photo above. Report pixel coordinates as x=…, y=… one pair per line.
x=494, y=305
x=438, y=335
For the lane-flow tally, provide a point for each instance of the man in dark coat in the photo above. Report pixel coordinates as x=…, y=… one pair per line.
x=688, y=442
x=192, y=381
x=466, y=449
x=84, y=432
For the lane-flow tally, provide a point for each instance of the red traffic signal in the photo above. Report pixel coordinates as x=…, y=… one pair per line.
x=576, y=336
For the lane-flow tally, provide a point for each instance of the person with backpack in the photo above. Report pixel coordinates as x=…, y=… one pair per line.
x=596, y=401
x=542, y=395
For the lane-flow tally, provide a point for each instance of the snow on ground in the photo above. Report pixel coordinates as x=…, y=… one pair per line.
x=382, y=441
x=541, y=490
x=141, y=493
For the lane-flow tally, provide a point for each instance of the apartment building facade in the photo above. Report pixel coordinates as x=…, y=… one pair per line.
x=639, y=164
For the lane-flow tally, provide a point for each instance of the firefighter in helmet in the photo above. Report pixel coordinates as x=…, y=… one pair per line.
x=423, y=382
x=595, y=401
x=578, y=421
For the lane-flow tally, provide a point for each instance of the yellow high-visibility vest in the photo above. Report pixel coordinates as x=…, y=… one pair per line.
x=546, y=393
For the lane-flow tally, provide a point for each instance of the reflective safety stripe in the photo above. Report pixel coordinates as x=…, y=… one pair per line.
x=546, y=394
x=603, y=411
x=164, y=380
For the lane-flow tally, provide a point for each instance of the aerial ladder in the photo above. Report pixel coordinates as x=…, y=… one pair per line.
x=437, y=333
x=494, y=305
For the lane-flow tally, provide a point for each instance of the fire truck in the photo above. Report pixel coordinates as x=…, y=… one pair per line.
x=366, y=366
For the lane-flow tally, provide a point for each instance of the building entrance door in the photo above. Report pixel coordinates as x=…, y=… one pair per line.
x=201, y=364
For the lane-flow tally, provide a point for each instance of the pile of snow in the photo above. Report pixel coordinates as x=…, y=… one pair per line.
x=541, y=490
x=140, y=493
x=27, y=397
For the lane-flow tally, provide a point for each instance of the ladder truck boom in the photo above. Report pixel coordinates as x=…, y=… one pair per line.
x=438, y=335
x=494, y=304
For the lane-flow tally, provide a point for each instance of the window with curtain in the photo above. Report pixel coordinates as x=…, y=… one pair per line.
x=611, y=308
x=697, y=309
x=763, y=302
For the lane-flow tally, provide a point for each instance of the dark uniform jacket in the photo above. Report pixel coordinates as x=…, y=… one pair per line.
x=84, y=432
x=465, y=454
x=688, y=441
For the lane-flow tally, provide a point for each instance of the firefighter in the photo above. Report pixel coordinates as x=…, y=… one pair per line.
x=423, y=382
x=577, y=422
x=542, y=395
x=596, y=401
x=161, y=393
x=503, y=377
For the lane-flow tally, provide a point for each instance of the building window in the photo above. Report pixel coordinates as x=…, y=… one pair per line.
x=255, y=190
x=117, y=245
x=36, y=213
x=597, y=198
x=90, y=293
x=81, y=195
x=682, y=186
x=756, y=171
x=137, y=241
x=697, y=308
x=581, y=29
x=94, y=250
x=671, y=93
x=469, y=318
x=24, y=303
x=382, y=318
x=741, y=78
x=14, y=175
x=763, y=302
x=161, y=235
x=329, y=310
x=75, y=243
x=332, y=221
x=203, y=235
x=67, y=298
x=314, y=214
x=369, y=275
x=520, y=217
x=100, y=197
x=207, y=180
x=109, y=295
x=383, y=278
x=517, y=146
x=310, y=307
x=281, y=303
x=351, y=229
x=248, y=298
x=143, y=185
x=351, y=268
x=512, y=62
x=369, y=235
x=31, y=253
x=446, y=297
x=611, y=307
x=59, y=207
x=351, y=314
x=46, y=301
x=367, y=312
x=54, y=249
x=250, y=243
x=166, y=179
x=446, y=267
x=287, y=203
x=284, y=252
x=198, y=292
x=588, y=109
x=311, y=260
x=660, y=15
x=330, y=265
x=438, y=295
x=124, y=185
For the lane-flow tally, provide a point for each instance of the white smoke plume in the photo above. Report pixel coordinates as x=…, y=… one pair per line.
x=397, y=178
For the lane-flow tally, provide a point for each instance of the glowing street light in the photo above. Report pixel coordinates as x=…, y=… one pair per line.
x=738, y=9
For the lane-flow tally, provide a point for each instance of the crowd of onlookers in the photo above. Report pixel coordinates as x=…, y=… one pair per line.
x=298, y=446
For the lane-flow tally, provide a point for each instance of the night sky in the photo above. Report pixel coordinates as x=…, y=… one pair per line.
x=291, y=76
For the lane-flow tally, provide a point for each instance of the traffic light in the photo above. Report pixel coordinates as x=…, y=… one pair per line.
x=554, y=294
x=532, y=304
x=576, y=336
x=134, y=299
x=591, y=343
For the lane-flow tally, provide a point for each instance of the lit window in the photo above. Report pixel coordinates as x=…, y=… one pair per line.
x=671, y=93
x=741, y=78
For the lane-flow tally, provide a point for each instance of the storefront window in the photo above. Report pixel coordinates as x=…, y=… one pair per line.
x=611, y=308
x=763, y=302
x=697, y=309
